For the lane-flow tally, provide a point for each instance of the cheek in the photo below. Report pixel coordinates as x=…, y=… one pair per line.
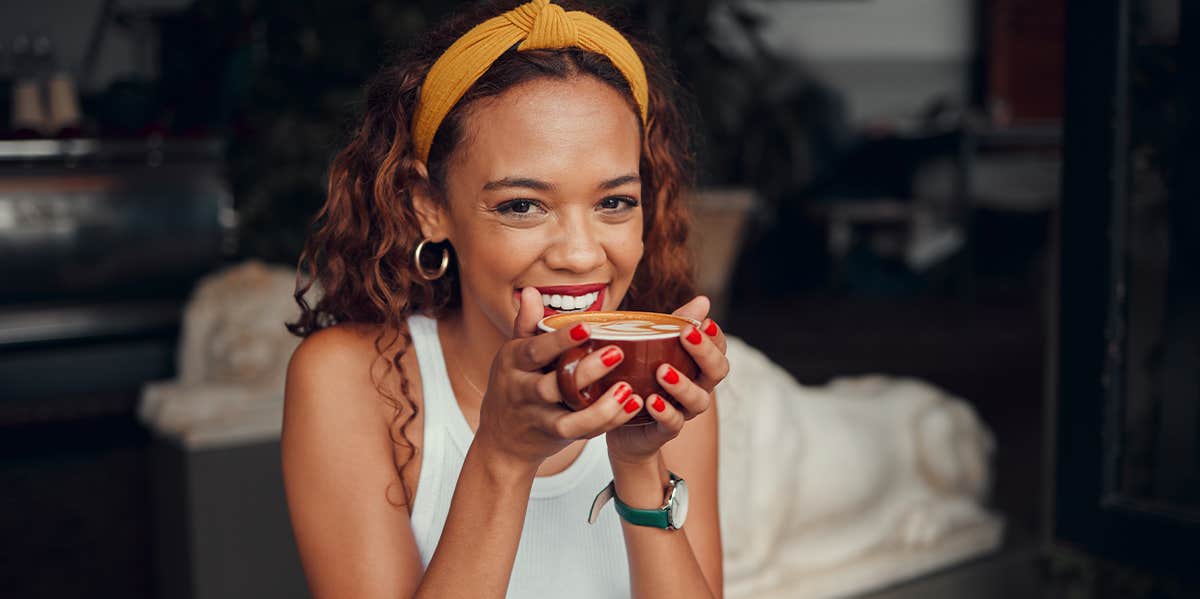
x=499, y=256
x=625, y=249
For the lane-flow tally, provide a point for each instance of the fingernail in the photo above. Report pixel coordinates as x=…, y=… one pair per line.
x=622, y=392
x=610, y=356
x=659, y=405
x=694, y=336
x=712, y=329
x=632, y=406
x=579, y=332
x=671, y=376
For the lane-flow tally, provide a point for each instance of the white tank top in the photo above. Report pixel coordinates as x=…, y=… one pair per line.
x=560, y=554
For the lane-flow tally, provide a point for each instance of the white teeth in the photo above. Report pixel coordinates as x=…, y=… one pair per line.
x=570, y=302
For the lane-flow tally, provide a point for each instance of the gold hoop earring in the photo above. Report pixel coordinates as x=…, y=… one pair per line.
x=441, y=270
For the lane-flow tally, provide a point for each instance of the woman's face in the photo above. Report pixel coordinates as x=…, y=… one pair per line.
x=544, y=191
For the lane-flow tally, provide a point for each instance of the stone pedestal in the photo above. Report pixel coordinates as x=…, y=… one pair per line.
x=220, y=523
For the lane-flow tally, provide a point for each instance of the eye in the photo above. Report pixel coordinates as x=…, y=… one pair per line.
x=618, y=203
x=519, y=208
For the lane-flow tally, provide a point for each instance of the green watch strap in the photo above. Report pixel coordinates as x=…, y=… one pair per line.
x=656, y=518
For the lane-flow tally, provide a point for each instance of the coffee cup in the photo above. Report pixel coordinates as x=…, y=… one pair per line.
x=647, y=339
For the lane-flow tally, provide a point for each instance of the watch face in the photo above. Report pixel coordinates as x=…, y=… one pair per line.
x=679, y=507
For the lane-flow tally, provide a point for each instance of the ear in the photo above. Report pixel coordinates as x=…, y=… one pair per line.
x=430, y=212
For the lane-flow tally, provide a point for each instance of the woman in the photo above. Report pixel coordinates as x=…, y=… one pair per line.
x=523, y=160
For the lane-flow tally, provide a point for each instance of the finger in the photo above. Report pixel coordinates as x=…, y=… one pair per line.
x=534, y=353
x=597, y=364
x=616, y=406
x=629, y=409
x=697, y=309
x=589, y=370
x=546, y=389
x=693, y=398
x=669, y=419
x=714, y=366
x=714, y=332
x=529, y=312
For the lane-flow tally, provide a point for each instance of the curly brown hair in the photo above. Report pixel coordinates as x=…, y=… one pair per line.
x=360, y=250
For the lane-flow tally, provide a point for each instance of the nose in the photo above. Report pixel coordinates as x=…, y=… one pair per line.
x=577, y=247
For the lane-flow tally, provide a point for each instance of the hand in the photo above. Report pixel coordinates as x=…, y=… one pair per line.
x=522, y=417
x=706, y=344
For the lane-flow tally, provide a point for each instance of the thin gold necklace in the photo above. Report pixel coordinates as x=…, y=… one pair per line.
x=466, y=378
x=471, y=383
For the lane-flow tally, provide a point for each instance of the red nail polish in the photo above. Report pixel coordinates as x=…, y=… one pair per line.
x=671, y=376
x=622, y=392
x=694, y=336
x=632, y=407
x=659, y=405
x=610, y=356
x=579, y=332
x=712, y=328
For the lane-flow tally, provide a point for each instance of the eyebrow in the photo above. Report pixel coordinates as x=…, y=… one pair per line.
x=539, y=185
x=521, y=182
x=619, y=181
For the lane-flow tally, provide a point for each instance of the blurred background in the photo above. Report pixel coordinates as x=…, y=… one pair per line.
x=994, y=196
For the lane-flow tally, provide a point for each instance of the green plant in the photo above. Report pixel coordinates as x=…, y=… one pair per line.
x=761, y=121
x=311, y=60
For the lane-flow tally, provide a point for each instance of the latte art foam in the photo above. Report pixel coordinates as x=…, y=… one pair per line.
x=621, y=325
x=633, y=329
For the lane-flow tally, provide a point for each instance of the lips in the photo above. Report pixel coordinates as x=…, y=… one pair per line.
x=571, y=289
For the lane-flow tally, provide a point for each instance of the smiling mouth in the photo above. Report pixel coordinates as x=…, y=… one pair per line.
x=567, y=299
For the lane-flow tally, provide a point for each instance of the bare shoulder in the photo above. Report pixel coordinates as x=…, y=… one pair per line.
x=341, y=368
x=342, y=390
x=339, y=351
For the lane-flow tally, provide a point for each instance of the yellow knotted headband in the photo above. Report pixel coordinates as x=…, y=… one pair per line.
x=537, y=25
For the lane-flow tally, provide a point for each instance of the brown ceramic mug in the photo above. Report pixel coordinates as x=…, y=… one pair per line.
x=648, y=340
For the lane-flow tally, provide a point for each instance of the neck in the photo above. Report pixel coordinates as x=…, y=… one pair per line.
x=471, y=341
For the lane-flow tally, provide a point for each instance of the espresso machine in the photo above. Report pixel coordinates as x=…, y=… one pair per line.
x=100, y=244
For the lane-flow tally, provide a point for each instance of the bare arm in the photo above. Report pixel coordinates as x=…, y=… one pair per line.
x=344, y=495
x=685, y=562
x=475, y=555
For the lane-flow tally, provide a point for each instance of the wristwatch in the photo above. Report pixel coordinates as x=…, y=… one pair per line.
x=670, y=516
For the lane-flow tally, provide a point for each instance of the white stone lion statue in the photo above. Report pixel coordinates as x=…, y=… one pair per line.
x=836, y=490
x=232, y=360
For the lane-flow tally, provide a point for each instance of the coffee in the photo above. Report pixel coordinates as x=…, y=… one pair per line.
x=647, y=339
x=623, y=325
